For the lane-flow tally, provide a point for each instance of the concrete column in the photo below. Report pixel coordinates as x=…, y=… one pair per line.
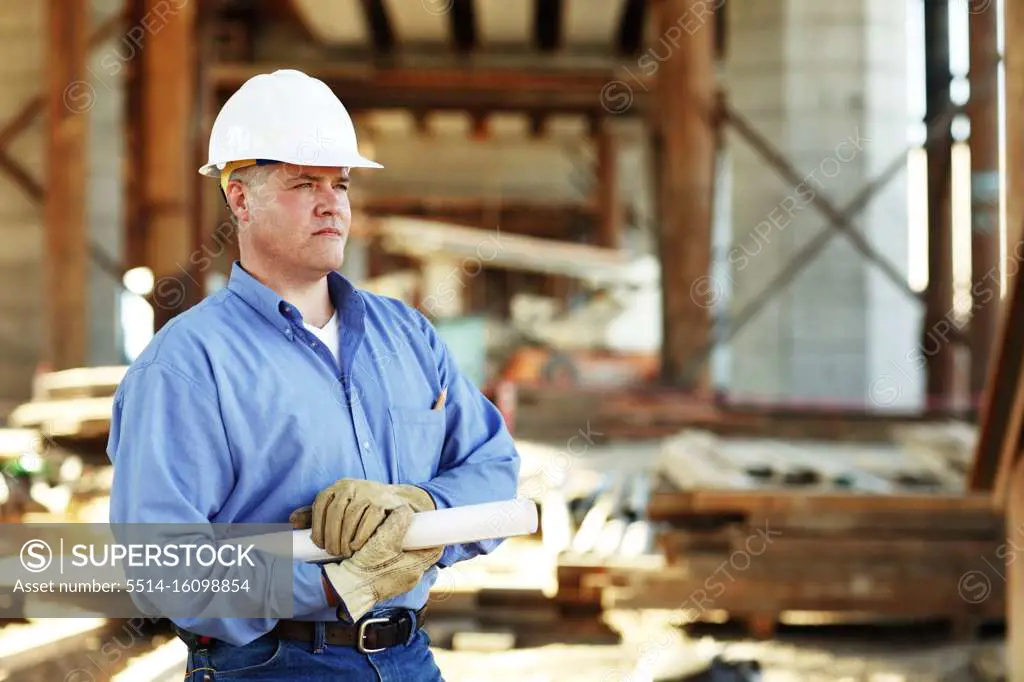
x=443, y=289
x=827, y=84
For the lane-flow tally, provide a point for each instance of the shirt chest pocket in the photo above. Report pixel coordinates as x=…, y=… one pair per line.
x=418, y=437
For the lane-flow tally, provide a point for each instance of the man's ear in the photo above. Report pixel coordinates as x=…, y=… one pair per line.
x=236, y=200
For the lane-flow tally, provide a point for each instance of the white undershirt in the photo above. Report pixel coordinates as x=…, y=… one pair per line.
x=328, y=335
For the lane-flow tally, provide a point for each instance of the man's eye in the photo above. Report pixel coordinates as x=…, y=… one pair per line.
x=304, y=185
x=343, y=186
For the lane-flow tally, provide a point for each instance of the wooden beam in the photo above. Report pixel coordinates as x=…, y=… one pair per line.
x=69, y=98
x=630, y=37
x=1002, y=408
x=481, y=128
x=686, y=125
x=462, y=16
x=1015, y=578
x=213, y=231
x=548, y=18
x=165, y=94
x=940, y=363
x=21, y=177
x=607, y=196
x=379, y=24
x=1013, y=42
x=419, y=56
x=558, y=221
x=449, y=87
x=20, y=122
x=983, y=110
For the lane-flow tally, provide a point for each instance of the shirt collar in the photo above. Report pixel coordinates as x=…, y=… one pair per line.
x=281, y=314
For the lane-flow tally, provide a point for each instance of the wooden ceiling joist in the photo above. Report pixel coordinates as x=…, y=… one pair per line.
x=448, y=88
x=473, y=27
x=379, y=24
x=548, y=24
x=630, y=37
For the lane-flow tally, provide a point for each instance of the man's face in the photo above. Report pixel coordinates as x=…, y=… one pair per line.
x=299, y=218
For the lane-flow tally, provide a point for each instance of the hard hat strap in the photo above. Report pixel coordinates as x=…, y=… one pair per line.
x=232, y=166
x=229, y=168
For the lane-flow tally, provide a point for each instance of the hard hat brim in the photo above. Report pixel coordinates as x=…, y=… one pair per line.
x=212, y=170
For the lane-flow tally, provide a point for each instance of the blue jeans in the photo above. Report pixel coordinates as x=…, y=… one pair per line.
x=270, y=658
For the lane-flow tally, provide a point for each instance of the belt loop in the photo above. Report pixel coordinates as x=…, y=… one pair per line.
x=414, y=628
x=319, y=637
x=198, y=668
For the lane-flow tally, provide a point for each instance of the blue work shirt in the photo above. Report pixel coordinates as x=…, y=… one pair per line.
x=235, y=413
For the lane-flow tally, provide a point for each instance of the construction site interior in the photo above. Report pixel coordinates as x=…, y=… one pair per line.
x=740, y=275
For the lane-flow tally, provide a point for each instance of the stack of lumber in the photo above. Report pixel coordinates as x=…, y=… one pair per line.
x=638, y=413
x=594, y=522
x=756, y=529
x=509, y=593
x=513, y=593
x=71, y=407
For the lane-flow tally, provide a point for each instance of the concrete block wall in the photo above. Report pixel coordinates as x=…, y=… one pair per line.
x=815, y=79
x=21, y=228
x=22, y=315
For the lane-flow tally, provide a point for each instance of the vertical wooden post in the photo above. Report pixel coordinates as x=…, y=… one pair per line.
x=164, y=102
x=208, y=235
x=608, y=199
x=939, y=356
x=1013, y=23
x=1015, y=577
x=686, y=162
x=983, y=110
x=69, y=99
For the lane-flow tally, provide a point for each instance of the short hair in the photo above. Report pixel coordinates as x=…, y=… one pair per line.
x=255, y=177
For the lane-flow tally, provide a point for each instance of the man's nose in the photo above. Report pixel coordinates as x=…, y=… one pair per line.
x=328, y=202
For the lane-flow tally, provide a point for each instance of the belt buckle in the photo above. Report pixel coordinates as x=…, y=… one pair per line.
x=361, y=635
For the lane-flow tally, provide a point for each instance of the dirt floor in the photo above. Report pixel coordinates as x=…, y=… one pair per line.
x=653, y=650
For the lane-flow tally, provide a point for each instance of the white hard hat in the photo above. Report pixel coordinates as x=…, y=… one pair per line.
x=285, y=116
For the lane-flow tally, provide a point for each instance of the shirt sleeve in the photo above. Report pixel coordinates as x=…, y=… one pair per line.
x=173, y=465
x=479, y=462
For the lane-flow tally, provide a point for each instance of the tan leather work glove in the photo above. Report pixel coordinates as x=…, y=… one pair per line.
x=347, y=512
x=381, y=569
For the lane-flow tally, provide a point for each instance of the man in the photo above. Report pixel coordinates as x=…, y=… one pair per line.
x=292, y=395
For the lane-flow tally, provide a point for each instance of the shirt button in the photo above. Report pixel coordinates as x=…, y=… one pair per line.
x=366, y=445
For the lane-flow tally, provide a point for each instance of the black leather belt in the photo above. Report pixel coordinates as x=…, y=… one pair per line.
x=368, y=635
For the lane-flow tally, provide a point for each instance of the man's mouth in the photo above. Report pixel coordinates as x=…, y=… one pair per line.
x=328, y=232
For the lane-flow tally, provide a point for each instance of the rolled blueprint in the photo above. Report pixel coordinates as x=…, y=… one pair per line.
x=452, y=526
